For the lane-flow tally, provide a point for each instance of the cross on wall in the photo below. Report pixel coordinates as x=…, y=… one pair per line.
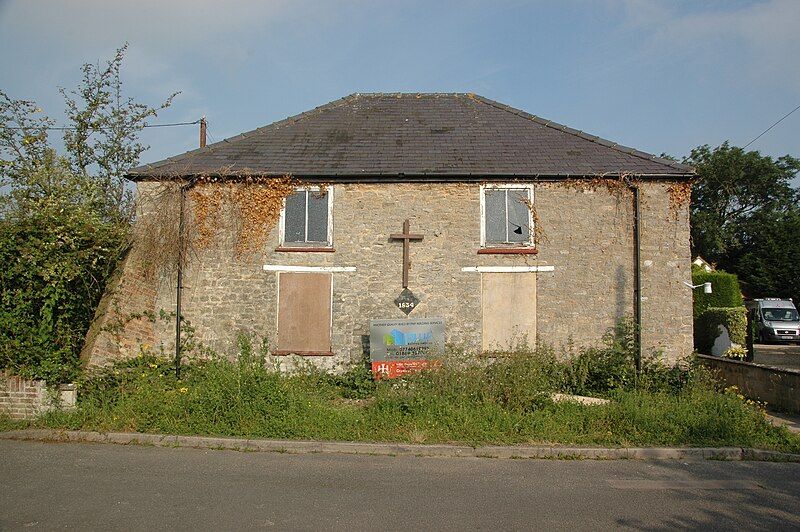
x=406, y=236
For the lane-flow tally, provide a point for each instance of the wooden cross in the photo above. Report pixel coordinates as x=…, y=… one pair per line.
x=406, y=237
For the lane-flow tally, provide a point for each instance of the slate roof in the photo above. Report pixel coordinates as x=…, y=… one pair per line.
x=379, y=136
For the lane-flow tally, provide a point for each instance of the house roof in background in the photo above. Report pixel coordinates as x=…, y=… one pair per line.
x=439, y=135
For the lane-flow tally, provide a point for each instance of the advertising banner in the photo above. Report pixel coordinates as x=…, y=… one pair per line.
x=398, y=347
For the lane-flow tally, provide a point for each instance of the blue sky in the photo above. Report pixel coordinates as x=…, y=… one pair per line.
x=661, y=76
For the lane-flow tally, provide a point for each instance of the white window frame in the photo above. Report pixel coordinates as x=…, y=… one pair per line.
x=521, y=186
x=282, y=223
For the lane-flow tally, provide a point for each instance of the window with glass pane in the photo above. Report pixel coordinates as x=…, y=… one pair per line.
x=306, y=218
x=507, y=216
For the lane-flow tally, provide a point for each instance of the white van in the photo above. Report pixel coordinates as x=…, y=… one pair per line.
x=776, y=320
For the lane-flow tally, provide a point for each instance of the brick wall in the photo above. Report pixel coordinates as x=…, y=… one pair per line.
x=115, y=332
x=780, y=388
x=22, y=399
x=587, y=239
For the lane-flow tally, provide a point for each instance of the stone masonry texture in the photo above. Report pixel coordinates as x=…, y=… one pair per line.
x=586, y=235
x=778, y=388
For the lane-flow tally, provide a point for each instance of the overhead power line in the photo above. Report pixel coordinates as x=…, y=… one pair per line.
x=773, y=125
x=69, y=128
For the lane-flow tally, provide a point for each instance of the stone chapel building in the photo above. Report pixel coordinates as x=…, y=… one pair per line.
x=528, y=230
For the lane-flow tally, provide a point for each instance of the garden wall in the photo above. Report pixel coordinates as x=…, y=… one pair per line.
x=23, y=399
x=780, y=388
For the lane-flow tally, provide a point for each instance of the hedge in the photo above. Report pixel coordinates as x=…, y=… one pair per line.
x=706, y=326
x=725, y=286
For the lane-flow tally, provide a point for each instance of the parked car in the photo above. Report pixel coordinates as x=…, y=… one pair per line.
x=777, y=320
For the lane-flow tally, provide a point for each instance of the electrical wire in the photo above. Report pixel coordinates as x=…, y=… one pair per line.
x=773, y=125
x=69, y=128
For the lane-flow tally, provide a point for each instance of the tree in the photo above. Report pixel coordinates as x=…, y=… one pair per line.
x=745, y=217
x=57, y=251
x=64, y=219
x=767, y=254
x=732, y=185
x=23, y=140
x=105, y=129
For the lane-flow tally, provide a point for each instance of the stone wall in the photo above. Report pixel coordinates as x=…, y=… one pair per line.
x=780, y=388
x=23, y=399
x=587, y=239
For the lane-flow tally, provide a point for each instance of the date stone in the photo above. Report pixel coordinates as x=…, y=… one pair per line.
x=406, y=301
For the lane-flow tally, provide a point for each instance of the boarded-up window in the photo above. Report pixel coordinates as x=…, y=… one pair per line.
x=304, y=313
x=509, y=310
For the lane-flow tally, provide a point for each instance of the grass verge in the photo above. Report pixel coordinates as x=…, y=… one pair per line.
x=6, y=423
x=463, y=401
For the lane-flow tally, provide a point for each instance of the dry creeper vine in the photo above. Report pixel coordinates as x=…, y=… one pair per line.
x=247, y=208
x=615, y=185
x=538, y=228
x=680, y=195
x=254, y=205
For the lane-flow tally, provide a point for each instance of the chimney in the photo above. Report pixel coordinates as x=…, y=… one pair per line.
x=203, y=132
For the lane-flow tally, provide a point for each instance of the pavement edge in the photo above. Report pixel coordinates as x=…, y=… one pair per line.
x=403, y=449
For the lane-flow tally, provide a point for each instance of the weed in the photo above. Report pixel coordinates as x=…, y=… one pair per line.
x=462, y=400
x=6, y=423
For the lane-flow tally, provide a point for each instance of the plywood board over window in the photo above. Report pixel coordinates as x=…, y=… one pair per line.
x=304, y=313
x=509, y=310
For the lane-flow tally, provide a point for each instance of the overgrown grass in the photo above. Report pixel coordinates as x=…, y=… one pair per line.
x=6, y=423
x=464, y=400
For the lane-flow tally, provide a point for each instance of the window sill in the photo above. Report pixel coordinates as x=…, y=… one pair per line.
x=308, y=249
x=283, y=353
x=508, y=251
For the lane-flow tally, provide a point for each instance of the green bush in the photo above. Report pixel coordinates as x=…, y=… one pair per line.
x=357, y=382
x=56, y=259
x=596, y=370
x=706, y=326
x=725, y=290
x=474, y=401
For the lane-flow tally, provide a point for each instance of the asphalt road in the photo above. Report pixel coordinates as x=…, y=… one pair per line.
x=781, y=355
x=90, y=486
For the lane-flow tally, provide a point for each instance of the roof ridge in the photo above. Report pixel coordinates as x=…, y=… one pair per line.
x=399, y=93
x=273, y=125
x=581, y=134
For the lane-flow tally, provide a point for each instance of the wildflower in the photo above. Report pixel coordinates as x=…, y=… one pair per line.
x=184, y=390
x=153, y=366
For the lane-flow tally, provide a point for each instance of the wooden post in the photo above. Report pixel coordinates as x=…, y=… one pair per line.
x=203, y=132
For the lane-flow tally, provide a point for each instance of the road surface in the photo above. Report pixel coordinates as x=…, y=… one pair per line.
x=110, y=487
x=780, y=355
